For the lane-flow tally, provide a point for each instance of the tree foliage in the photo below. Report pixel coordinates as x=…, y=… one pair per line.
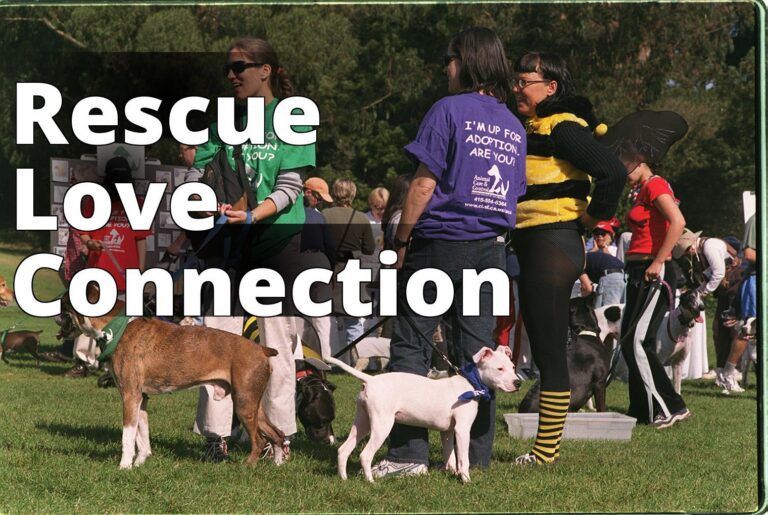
x=374, y=71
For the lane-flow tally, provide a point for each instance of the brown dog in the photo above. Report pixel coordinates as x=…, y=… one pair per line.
x=160, y=357
x=22, y=340
x=6, y=294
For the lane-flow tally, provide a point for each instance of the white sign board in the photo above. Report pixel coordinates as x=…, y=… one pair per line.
x=133, y=154
x=748, y=199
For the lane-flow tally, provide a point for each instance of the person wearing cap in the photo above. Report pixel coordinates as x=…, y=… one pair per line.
x=603, y=275
x=318, y=251
x=705, y=263
x=603, y=238
x=712, y=257
x=641, y=140
x=116, y=247
x=316, y=235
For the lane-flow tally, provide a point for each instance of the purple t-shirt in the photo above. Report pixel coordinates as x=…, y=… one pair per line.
x=476, y=148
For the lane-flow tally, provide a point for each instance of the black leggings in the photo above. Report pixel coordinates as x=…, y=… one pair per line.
x=551, y=260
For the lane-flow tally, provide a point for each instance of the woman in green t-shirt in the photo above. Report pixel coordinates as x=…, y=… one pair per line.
x=275, y=171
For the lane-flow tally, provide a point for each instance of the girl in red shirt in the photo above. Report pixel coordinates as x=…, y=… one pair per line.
x=640, y=140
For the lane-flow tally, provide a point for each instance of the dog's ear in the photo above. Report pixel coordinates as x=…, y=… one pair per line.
x=506, y=350
x=92, y=292
x=482, y=354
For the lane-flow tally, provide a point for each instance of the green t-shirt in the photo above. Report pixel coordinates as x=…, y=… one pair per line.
x=262, y=165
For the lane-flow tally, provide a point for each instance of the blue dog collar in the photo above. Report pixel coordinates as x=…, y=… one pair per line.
x=481, y=391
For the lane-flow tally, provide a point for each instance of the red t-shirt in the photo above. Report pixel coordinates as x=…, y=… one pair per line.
x=647, y=223
x=120, y=239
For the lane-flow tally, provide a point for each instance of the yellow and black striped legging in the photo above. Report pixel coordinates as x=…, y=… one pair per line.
x=553, y=408
x=551, y=260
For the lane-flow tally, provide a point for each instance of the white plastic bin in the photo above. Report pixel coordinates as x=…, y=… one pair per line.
x=578, y=426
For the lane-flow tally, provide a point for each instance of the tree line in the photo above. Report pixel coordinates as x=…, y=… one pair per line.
x=374, y=71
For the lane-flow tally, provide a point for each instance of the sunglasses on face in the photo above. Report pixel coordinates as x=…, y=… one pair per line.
x=522, y=83
x=598, y=234
x=239, y=67
x=447, y=58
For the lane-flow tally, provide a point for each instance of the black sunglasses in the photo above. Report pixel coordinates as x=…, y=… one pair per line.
x=239, y=67
x=447, y=58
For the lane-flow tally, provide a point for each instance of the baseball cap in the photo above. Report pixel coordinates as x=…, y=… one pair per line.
x=604, y=225
x=319, y=186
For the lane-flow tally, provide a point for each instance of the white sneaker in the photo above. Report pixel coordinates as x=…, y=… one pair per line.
x=731, y=384
x=662, y=422
x=386, y=468
x=711, y=374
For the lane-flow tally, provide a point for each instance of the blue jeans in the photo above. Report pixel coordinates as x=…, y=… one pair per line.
x=410, y=353
x=353, y=328
x=611, y=289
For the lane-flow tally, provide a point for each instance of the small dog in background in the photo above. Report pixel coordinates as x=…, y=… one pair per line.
x=6, y=294
x=589, y=360
x=315, y=405
x=673, y=340
x=18, y=341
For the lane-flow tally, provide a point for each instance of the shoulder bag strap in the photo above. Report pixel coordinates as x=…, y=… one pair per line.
x=346, y=230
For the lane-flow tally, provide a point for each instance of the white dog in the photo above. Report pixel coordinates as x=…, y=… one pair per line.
x=673, y=338
x=418, y=401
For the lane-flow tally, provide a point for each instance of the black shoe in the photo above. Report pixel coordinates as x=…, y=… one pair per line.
x=79, y=370
x=215, y=449
x=106, y=381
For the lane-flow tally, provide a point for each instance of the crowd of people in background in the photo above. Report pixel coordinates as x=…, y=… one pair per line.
x=551, y=224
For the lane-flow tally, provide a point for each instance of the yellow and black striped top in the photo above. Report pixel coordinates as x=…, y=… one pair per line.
x=556, y=191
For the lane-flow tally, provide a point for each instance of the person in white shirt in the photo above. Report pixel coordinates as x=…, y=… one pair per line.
x=711, y=254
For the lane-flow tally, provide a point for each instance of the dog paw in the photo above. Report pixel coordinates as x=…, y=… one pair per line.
x=140, y=459
x=126, y=466
x=464, y=477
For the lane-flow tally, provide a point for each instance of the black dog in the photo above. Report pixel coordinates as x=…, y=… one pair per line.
x=589, y=361
x=315, y=405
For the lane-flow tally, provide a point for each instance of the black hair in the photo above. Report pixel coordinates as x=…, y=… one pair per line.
x=552, y=67
x=484, y=65
x=396, y=198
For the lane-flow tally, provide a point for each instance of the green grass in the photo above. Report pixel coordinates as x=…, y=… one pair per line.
x=60, y=448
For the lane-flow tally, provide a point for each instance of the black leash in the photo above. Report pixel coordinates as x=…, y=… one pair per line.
x=413, y=327
x=362, y=336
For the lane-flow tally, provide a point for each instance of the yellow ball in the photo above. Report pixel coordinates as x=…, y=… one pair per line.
x=601, y=129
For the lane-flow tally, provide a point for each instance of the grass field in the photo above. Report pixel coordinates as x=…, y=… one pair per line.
x=60, y=447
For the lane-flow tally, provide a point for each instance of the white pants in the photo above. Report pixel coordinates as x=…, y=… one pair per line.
x=214, y=418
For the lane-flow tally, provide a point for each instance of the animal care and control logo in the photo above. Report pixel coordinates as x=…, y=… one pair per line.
x=114, y=240
x=483, y=185
x=499, y=146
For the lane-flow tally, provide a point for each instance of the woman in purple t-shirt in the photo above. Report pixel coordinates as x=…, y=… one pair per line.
x=470, y=151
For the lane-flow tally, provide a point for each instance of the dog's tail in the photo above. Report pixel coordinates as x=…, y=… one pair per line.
x=346, y=368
